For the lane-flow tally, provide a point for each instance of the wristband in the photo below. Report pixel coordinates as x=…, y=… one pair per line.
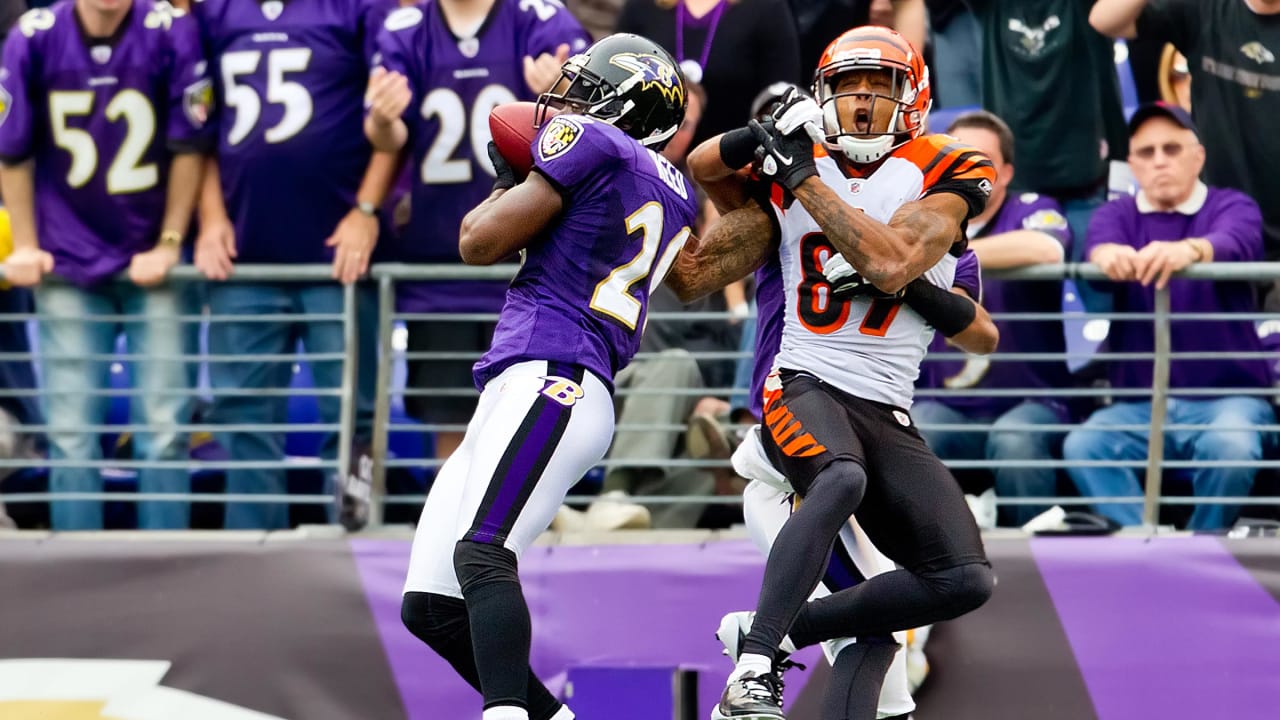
x=170, y=239
x=738, y=148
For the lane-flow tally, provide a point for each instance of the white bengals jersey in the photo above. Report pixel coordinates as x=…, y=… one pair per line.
x=869, y=348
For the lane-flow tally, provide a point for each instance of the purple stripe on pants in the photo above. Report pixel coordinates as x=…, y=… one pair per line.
x=523, y=469
x=1172, y=628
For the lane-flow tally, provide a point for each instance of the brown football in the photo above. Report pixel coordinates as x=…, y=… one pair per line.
x=511, y=126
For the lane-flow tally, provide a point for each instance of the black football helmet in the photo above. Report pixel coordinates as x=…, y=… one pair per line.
x=625, y=80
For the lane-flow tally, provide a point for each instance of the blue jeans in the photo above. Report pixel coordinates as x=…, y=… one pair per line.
x=999, y=444
x=1095, y=440
x=73, y=360
x=279, y=338
x=1078, y=212
x=959, y=78
x=745, y=368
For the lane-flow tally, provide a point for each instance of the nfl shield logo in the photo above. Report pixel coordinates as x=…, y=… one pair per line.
x=100, y=53
x=855, y=186
x=271, y=9
x=469, y=47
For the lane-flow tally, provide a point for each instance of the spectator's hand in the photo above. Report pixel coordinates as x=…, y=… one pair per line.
x=1158, y=260
x=150, y=268
x=353, y=241
x=26, y=266
x=1117, y=262
x=797, y=110
x=387, y=96
x=541, y=73
x=216, y=248
x=881, y=13
x=785, y=159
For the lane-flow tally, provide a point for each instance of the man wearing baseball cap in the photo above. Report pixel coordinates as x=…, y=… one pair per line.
x=1176, y=221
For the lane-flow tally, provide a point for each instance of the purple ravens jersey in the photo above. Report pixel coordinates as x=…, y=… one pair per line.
x=456, y=81
x=101, y=118
x=582, y=295
x=291, y=147
x=769, y=308
x=1028, y=211
x=968, y=276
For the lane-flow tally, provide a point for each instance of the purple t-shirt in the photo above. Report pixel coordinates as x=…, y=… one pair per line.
x=770, y=305
x=1027, y=211
x=456, y=82
x=291, y=145
x=101, y=118
x=1232, y=223
x=582, y=294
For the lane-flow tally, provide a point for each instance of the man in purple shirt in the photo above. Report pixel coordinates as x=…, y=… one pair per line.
x=600, y=220
x=102, y=112
x=1174, y=222
x=1016, y=230
x=294, y=181
x=459, y=60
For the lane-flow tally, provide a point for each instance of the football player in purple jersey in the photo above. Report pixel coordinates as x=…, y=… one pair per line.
x=295, y=181
x=600, y=220
x=451, y=61
x=103, y=106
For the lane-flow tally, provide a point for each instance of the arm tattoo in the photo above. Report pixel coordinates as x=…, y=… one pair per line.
x=935, y=230
x=887, y=255
x=733, y=248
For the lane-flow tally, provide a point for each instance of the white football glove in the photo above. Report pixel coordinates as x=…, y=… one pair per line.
x=847, y=282
x=796, y=110
x=836, y=268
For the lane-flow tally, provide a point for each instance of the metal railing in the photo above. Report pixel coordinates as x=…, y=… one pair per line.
x=385, y=276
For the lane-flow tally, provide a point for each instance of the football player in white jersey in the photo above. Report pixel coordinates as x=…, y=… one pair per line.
x=893, y=204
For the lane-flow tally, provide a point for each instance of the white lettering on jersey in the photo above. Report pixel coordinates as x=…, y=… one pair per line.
x=402, y=19
x=669, y=174
x=870, y=348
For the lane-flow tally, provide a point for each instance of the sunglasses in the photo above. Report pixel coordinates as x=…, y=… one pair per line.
x=1170, y=150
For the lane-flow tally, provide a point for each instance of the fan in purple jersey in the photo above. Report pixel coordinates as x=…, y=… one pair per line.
x=599, y=221
x=1175, y=222
x=295, y=182
x=450, y=62
x=1014, y=231
x=103, y=106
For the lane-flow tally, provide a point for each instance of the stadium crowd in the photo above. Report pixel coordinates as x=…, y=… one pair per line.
x=241, y=136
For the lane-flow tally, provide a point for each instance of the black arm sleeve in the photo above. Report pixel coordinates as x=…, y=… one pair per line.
x=946, y=311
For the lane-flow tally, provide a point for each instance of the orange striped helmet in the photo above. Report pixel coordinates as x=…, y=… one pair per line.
x=873, y=47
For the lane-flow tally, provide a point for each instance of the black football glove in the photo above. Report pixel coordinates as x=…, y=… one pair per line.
x=504, y=176
x=785, y=159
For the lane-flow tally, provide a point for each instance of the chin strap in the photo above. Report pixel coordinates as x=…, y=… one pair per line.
x=864, y=151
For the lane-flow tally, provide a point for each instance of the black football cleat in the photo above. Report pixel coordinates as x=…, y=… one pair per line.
x=751, y=697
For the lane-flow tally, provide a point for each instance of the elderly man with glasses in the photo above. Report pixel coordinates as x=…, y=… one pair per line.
x=1173, y=222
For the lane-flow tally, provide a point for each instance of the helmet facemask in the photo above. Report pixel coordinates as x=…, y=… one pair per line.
x=583, y=92
x=874, y=128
